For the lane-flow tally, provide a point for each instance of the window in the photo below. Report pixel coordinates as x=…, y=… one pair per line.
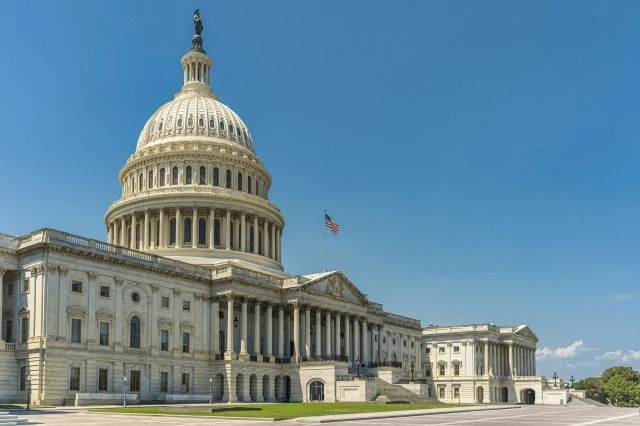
x=190, y=121
x=187, y=230
x=441, y=369
x=150, y=179
x=412, y=344
x=428, y=350
x=134, y=334
x=25, y=330
x=384, y=339
x=135, y=297
x=103, y=379
x=9, y=289
x=76, y=330
x=216, y=232
x=186, y=340
x=164, y=381
x=231, y=129
x=456, y=392
x=216, y=176
x=249, y=184
x=456, y=369
x=164, y=340
x=428, y=373
x=200, y=122
x=202, y=231
x=140, y=182
x=185, y=382
x=8, y=332
x=172, y=231
x=104, y=333
x=25, y=285
x=105, y=291
x=316, y=391
x=221, y=126
x=212, y=123
x=257, y=187
x=456, y=349
x=174, y=175
x=135, y=381
x=179, y=122
x=74, y=378
x=23, y=378
x=162, y=177
x=404, y=343
x=188, y=175
x=76, y=286
x=441, y=350
x=186, y=305
x=160, y=126
x=203, y=176
x=228, y=180
x=165, y=301
x=239, y=186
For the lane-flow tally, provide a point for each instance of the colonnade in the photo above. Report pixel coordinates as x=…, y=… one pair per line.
x=508, y=359
x=207, y=227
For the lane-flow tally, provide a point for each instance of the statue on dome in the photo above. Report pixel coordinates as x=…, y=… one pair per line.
x=197, y=22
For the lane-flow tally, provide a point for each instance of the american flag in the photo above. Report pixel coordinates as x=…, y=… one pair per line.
x=331, y=224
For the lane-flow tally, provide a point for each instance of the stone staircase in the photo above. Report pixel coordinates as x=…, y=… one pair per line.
x=576, y=400
x=388, y=392
x=7, y=419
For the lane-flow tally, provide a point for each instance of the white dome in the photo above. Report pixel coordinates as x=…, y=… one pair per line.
x=195, y=113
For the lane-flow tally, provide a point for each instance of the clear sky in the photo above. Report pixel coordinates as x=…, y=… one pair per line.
x=481, y=157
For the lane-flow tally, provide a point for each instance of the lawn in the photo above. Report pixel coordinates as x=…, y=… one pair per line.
x=274, y=411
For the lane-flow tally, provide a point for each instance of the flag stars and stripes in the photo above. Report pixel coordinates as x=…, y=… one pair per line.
x=331, y=224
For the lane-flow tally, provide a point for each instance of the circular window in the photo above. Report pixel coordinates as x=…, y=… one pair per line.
x=135, y=296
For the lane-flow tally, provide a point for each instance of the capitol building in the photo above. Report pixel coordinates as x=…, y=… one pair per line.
x=187, y=298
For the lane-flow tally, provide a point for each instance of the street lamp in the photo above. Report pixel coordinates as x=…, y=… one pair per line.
x=210, y=394
x=124, y=391
x=358, y=362
x=571, y=379
x=235, y=322
x=29, y=392
x=412, y=369
x=555, y=378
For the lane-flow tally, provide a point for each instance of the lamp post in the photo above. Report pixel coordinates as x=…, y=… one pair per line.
x=358, y=362
x=555, y=378
x=571, y=379
x=124, y=391
x=235, y=322
x=29, y=392
x=210, y=394
x=412, y=370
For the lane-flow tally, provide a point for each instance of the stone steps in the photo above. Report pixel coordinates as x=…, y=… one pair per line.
x=8, y=419
x=388, y=392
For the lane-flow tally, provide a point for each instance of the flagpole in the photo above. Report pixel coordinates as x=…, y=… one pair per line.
x=325, y=241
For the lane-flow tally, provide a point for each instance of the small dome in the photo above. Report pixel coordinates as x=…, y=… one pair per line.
x=195, y=113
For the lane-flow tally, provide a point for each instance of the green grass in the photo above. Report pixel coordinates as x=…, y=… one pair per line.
x=275, y=411
x=12, y=406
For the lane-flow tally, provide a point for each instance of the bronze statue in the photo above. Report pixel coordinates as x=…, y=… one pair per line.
x=197, y=23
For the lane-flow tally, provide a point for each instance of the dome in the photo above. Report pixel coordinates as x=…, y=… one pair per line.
x=193, y=114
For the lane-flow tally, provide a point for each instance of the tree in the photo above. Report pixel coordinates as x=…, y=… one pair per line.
x=627, y=373
x=621, y=386
x=593, y=387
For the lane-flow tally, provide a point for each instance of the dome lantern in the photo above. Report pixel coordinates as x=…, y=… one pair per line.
x=196, y=63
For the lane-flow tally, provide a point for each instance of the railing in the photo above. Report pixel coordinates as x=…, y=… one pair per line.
x=10, y=347
x=283, y=360
x=324, y=358
x=402, y=320
x=9, y=241
x=416, y=381
x=350, y=378
x=137, y=351
x=392, y=364
x=219, y=357
x=266, y=359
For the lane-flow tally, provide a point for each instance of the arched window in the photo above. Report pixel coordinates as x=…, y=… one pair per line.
x=316, y=391
x=188, y=175
x=212, y=123
x=202, y=231
x=228, y=182
x=257, y=187
x=200, y=122
x=172, y=231
x=231, y=128
x=150, y=180
x=203, y=175
x=162, y=177
x=190, y=122
x=179, y=122
x=160, y=126
x=216, y=177
x=134, y=334
x=216, y=232
x=221, y=125
x=174, y=175
x=249, y=184
x=140, y=182
x=187, y=230
x=239, y=186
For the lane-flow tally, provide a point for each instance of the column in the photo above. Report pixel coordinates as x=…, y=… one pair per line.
x=230, y=348
x=194, y=228
x=272, y=252
x=296, y=330
x=327, y=330
x=281, y=331
x=510, y=359
x=265, y=239
x=161, y=226
x=145, y=233
x=347, y=337
x=269, y=351
x=109, y=233
x=2, y=271
x=318, y=333
x=307, y=331
x=256, y=234
x=278, y=242
x=133, y=244
x=243, y=231
x=365, y=354
x=338, y=349
x=178, y=227
x=380, y=343
x=256, y=328
x=212, y=219
x=227, y=231
x=486, y=357
x=215, y=326
x=356, y=339
x=243, y=334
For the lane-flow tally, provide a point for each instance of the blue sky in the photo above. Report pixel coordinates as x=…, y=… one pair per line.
x=482, y=158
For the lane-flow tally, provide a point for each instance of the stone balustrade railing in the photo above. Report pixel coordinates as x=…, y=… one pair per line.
x=9, y=241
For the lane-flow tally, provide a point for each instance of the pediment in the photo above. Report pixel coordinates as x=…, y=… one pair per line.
x=525, y=331
x=337, y=286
